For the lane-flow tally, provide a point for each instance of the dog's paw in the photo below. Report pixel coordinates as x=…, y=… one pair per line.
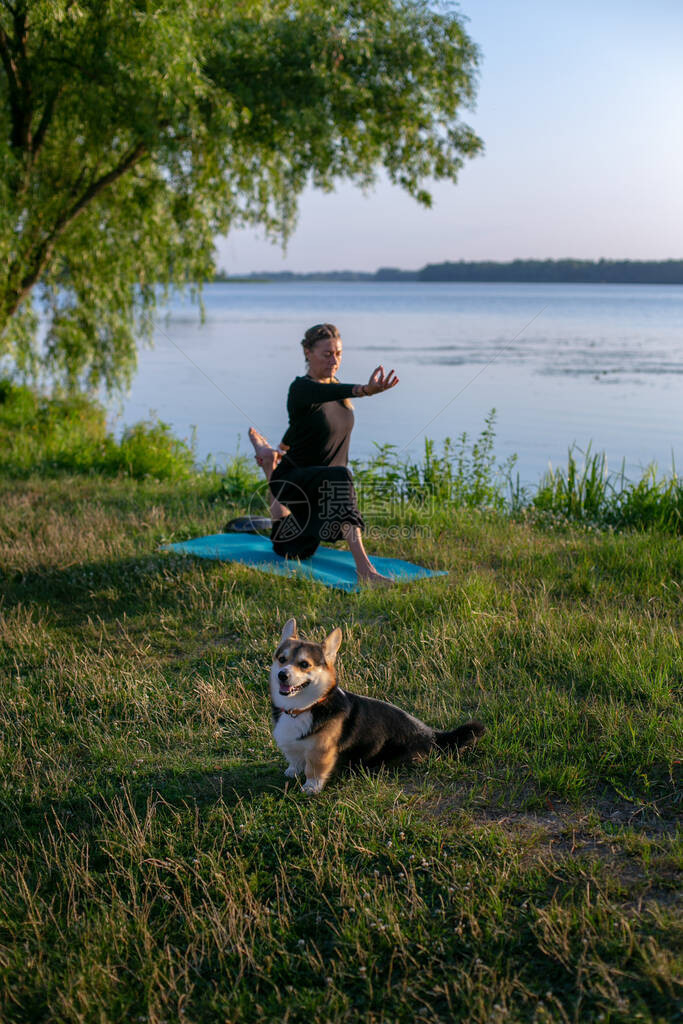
x=312, y=787
x=291, y=772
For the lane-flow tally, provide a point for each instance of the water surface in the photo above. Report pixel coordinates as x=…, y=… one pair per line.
x=561, y=364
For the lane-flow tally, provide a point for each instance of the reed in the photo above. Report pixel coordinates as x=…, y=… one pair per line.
x=465, y=474
x=586, y=492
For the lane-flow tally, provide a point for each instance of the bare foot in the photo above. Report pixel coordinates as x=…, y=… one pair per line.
x=257, y=438
x=266, y=456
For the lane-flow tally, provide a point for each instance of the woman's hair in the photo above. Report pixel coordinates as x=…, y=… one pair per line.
x=321, y=332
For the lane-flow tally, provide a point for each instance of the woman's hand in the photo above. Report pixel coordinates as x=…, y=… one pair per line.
x=380, y=382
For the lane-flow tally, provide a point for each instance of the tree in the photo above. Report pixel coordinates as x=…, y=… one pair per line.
x=134, y=131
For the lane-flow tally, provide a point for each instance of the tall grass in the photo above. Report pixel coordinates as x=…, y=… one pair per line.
x=464, y=475
x=587, y=492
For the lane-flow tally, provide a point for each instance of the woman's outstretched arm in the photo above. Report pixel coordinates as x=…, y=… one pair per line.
x=305, y=391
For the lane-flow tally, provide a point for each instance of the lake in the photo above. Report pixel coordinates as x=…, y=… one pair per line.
x=561, y=364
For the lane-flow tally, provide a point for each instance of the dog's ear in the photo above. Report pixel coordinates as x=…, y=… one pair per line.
x=289, y=630
x=331, y=645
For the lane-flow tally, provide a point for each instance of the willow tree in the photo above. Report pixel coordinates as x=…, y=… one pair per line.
x=133, y=132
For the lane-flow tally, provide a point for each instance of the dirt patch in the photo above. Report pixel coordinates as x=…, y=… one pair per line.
x=631, y=845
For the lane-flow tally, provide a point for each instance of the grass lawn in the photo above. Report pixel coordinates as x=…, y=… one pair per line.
x=155, y=865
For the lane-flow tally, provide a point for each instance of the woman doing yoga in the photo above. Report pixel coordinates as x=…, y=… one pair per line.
x=312, y=493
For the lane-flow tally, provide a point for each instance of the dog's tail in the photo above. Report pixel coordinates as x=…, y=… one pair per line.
x=464, y=736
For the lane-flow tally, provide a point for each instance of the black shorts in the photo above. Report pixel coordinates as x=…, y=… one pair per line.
x=321, y=499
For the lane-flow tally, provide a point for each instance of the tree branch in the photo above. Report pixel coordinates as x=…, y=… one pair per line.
x=23, y=80
x=39, y=134
x=14, y=87
x=98, y=186
x=42, y=252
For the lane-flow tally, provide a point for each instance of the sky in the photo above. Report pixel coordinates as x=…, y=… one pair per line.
x=580, y=107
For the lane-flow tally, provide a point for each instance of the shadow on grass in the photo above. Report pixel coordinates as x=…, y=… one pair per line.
x=132, y=586
x=82, y=812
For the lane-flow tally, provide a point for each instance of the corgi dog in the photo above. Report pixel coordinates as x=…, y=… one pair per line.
x=320, y=727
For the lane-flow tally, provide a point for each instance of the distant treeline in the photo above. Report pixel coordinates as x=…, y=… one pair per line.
x=528, y=271
x=559, y=271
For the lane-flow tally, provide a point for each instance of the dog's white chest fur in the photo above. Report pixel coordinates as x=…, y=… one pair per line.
x=288, y=732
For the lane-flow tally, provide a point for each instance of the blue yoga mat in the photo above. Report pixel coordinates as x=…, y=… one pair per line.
x=329, y=566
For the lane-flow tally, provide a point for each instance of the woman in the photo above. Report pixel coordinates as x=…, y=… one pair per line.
x=312, y=493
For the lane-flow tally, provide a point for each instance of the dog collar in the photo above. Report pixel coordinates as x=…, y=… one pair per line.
x=295, y=712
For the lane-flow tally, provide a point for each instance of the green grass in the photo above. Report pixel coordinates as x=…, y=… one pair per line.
x=588, y=492
x=156, y=866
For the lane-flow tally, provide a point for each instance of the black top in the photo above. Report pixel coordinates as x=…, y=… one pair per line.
x=320, y=424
